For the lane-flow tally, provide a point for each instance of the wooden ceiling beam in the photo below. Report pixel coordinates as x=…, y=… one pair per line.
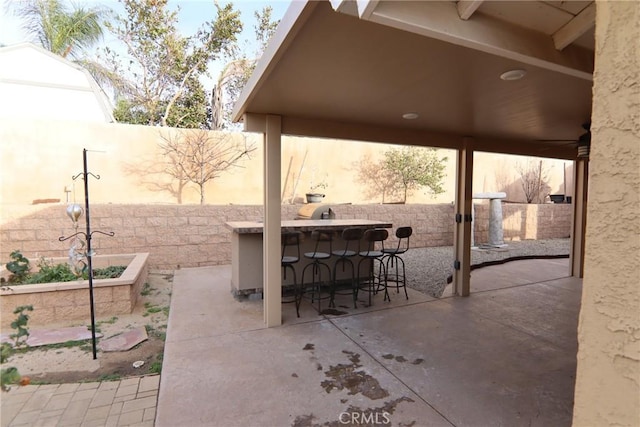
x=573, y=29
x=466, y=8
x=440, y=20
x=366, y=8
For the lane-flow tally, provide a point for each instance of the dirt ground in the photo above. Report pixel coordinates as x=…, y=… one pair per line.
x=73, y=362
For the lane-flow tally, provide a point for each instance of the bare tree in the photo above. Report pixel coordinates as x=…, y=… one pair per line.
x=150, y=172
x=200, y=156
x=534, y=180
x=501, y=176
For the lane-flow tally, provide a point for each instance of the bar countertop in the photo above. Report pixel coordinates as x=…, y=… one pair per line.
x=305, y=225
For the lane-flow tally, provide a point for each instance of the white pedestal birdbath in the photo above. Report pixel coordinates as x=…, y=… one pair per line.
x=496, y=233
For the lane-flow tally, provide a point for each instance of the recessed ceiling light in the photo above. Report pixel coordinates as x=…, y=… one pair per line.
x=513, y=75
x=410, y=116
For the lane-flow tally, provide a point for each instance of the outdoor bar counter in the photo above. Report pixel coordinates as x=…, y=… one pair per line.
x=246, y=247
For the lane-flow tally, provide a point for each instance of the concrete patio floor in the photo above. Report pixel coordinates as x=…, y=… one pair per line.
x=506, y=355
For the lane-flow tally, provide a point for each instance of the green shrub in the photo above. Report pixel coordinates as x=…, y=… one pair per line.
x=9, y=376
x=6, y=351
x=50, y=273
x=110, y=272
x=19, y=267
x=20, y=325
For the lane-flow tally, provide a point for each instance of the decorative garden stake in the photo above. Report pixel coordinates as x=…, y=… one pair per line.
x=74, y=212
x=77, y=252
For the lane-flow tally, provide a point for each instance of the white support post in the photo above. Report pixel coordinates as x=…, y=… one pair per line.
x=579, y=217
x=463, y=209
x=272, y=222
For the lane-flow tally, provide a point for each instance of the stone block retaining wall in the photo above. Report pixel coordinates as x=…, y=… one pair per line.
x=193, y=235
x=522, y=221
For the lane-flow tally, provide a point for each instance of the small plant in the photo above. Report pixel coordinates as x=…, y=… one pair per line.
x=317, y=183
x=87, y=348
x=20, y=325
x=151, y=331
x=151, y=309
x=111, y=272
x=11, y=375
x=50, y=273
x=146, y=289
x=315, y=187
x=6, y=351
x=109, y=377
x=156, y=366
x=19, y=267
x=66, y=344
x=111, y=321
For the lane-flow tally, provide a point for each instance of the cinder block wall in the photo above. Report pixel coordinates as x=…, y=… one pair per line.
x=193, y=235
x=521, y=221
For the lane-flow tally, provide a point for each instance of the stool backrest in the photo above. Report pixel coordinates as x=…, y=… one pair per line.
x=323, y=239
x=403, y=234
x=373, y=235
x=352, y=237
x=291, y=244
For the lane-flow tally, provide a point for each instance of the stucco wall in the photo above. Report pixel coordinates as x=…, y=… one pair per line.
x=191, y=236
x=608, y=374
x=40, y=157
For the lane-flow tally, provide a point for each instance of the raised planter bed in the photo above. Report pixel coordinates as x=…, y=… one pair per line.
x=69, y=301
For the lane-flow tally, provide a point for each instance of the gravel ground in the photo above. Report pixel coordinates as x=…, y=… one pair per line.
x=429, y=268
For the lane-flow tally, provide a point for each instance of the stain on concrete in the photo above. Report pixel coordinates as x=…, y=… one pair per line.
x=353, y=357
x=401, y=359
x=346, y=376
x=303, y=421
x=309, y=347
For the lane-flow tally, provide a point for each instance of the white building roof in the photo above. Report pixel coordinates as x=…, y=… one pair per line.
x=35, y=83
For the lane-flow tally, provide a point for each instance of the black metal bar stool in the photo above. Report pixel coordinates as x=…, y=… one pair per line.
x=319, y=257
x=351, y=237
x=393, y=262
x=372, y=256
x=290, y=256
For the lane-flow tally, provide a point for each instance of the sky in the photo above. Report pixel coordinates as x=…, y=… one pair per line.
x=192, y=14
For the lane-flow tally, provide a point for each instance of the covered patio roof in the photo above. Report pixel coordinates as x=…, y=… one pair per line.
x=353, y=72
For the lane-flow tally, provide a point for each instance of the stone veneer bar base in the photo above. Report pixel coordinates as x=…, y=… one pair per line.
x=69, y=301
